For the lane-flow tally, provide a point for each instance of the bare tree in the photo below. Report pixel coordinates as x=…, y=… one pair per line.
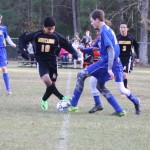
x=52, y=7
x=143, y=49
x=74, y=12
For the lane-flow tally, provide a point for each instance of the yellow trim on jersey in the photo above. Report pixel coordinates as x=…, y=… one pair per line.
x=45, y=40
x=125, y=42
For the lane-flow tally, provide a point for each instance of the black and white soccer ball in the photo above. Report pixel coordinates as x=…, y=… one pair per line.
x=62, y=105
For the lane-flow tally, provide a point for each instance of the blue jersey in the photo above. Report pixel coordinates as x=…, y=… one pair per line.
x=3, y=35
x=100, y=68
x=3, y=54
x=108, y=38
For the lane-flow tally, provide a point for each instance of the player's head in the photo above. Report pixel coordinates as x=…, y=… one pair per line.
x=97, y=18
x=49, y=25
x=87, y=32
x=123, y=29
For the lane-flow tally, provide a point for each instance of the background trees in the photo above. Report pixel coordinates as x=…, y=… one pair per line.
x=73, y=16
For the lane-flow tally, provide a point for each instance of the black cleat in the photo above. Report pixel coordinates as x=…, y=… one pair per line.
x=96, y=108
x=137, y=108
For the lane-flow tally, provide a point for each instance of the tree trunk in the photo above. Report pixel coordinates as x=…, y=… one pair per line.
x=74, y=15
x=143, y=48
x=121, y=6
x=52, y=7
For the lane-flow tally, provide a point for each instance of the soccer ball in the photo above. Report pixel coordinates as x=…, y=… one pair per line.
x=63, y=105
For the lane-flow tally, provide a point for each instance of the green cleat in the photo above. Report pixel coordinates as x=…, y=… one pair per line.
x=44, y=105
x=73, y=109
x=120, y=114
x=66, y=98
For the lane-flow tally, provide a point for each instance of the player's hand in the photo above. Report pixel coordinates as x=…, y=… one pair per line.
x=111, y=74
x=94, y=48
x=81, y=47
x=14, y=45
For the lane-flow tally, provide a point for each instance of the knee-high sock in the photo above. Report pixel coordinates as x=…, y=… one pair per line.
x=132, y=98
x=97, y=100
x=52, y=90
x=110, y=98
x=6, y=81
x=114, y=103
x=95, y=92
x=75, y=98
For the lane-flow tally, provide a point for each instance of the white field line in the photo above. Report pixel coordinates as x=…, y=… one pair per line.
x=63, y=132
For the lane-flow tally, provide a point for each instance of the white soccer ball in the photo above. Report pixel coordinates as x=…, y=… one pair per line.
x=63, y=105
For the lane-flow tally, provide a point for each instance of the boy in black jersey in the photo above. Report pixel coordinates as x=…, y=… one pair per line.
x=46, y=43
x=128, y=49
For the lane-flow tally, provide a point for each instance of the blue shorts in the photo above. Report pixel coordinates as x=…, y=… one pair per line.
x=99, y=71
x=3, y=57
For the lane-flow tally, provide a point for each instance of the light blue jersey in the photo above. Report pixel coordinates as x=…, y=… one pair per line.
x=3, y=54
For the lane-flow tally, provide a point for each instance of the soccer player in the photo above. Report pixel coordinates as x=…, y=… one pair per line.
x=46, y=43
x=119, y=83
x=128, y=47
x=3, y=54
x=101, y=70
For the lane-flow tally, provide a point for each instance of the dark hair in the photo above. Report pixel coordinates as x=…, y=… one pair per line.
x=124, y=23
x=49, y=22
x=99, y=14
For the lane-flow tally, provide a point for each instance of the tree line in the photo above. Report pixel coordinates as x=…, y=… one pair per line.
x=73, y=16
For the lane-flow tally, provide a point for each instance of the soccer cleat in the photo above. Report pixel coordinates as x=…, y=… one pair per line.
x=66, y=98
x=44, y=105
x=120, y=114
x=137, y=108
x=8, y=92
x=73, y=109
x=96, y=108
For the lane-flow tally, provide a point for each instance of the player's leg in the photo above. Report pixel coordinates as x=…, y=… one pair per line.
x=95, y=93
x=127, y=68
x=81, y=76
x=49, y=80
x=3, y=65
x=6, y=79
x=111, y=99
x=125, y=91
x=75, y=63
x=130, y=96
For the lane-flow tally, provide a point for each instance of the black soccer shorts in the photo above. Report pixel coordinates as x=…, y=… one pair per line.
x=48, y=67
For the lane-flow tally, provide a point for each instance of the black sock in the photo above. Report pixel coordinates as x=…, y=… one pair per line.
x=125, y=83
x=51, y=90
x=57, y=93
x=48, y=93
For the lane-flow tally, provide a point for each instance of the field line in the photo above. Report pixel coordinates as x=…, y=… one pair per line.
x=66, y=118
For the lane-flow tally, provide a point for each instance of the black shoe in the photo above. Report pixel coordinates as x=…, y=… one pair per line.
x=137, y=108
x=96, y=108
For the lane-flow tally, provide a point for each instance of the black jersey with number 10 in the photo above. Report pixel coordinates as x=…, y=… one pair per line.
x=46, y=45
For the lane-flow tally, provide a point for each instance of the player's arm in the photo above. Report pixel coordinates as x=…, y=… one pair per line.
x=136, y=47
x=8, y=39
x=111, y=55
x=24, y=39
x=67, y=46
x=90, y=50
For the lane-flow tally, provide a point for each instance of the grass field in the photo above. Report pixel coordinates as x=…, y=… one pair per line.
x=24, y=126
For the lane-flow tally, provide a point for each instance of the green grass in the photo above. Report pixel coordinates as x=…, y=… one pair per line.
x=24, y=126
